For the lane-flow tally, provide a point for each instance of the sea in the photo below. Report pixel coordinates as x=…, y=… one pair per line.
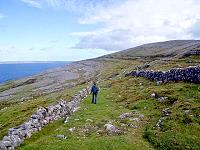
x=12, y=71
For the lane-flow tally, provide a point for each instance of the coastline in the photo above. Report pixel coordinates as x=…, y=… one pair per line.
x=26, y=69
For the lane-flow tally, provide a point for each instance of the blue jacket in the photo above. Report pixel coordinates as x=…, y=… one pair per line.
x=94, y=89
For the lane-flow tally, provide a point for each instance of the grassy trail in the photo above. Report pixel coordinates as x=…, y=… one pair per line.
x=89, y=133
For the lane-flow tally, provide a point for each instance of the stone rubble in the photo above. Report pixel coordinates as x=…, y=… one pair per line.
x=60, y=136
x=158, y=97
x=162, y=99
x=165, y=114
x=111, y=129
x=134, y=119
x=72, y=129
x=42, y=117
x=66, y=120
x=160, y=122
x=187, y=111
x=132, y=116
x=154, y=95
x=126, y=115
x=189, y=74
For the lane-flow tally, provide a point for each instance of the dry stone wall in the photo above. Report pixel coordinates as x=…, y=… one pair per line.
x=189, y=74
x=42, y=117
x=191, y=52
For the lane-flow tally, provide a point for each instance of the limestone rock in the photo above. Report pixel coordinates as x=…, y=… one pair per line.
x=134, y=119
x=126, y=115
x=72, y=129
x=166, y=112
x=66, y=119
x=160, y=122
x=7, y=143
x=2, y=146
x=61, y=136
x=111, y=129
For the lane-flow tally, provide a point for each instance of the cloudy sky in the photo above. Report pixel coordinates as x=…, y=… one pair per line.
x=47, y=30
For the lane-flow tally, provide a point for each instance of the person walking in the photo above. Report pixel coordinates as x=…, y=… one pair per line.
x=94, y=92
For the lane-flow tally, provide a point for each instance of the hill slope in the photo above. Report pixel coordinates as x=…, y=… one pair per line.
x=119, y=95
x=160, y=49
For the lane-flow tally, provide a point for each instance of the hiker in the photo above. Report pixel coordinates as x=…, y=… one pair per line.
x=94, y=92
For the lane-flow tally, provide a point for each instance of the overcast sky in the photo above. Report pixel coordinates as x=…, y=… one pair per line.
x=47, y=30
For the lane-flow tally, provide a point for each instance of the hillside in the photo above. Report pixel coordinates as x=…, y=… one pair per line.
x=145, y=114
x=160, y=49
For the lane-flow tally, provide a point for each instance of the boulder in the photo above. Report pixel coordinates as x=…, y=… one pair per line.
x=2, y=146
x=111, y=129
x=7, y=143
x=16, y=141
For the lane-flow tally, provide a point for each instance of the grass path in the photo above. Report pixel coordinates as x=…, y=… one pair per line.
x=89, y=133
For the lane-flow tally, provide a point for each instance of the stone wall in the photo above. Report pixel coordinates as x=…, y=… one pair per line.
x=189, y=74
x=42, y=117
x=191, y=52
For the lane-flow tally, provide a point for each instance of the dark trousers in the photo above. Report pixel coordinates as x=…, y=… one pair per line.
x=94, y=98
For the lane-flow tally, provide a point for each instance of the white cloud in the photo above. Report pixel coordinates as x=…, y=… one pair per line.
x=74, y=5
x=33, y=3
x=195, y=29
x=129, y=23
x=99, y=39
x=134, y=22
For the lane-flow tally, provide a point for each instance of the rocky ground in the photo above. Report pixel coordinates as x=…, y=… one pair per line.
x=53, y=80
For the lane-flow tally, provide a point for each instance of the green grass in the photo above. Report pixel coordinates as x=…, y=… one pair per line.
x=106, y=110
x=180, y=130
x=119, y=94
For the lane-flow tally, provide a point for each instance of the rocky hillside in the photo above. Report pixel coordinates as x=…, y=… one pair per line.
x=137, y=107
x=50, y=81
x=160, y=49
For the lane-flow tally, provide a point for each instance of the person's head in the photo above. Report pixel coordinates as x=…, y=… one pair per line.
x=94, y=83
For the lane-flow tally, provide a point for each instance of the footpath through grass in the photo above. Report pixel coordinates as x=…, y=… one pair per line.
x=88, y=129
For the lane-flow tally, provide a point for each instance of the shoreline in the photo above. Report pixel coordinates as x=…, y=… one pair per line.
x=28, y=73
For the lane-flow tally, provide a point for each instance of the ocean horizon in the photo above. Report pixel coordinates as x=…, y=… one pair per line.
x=18, y=69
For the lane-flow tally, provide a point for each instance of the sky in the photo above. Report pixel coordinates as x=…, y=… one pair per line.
x=69, y=30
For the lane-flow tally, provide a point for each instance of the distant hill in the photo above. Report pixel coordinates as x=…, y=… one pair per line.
x=159, y=49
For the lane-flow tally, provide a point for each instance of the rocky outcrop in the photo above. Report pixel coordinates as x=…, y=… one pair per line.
x=42, y=117
x=189, y=74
